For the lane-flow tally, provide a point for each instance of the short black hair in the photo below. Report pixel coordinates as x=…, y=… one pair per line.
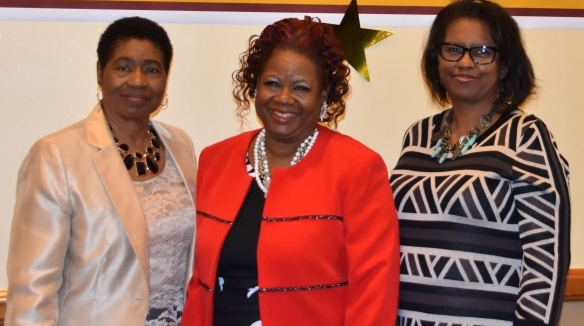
x=134, y=28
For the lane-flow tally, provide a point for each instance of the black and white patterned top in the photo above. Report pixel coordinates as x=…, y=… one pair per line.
x=485, y=238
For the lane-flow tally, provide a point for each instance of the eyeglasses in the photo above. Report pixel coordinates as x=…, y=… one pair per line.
x=481, y=55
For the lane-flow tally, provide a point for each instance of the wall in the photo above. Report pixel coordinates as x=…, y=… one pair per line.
x=47, y=81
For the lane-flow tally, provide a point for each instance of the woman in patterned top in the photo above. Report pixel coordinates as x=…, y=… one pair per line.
x=295, y=222
x=99, y=239
x=481, y=189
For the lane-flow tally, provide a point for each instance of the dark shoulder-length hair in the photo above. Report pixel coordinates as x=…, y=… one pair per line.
x=308, y=37
x=518, y=84
x=128, y=28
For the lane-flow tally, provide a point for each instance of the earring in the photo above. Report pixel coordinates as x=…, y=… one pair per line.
x=255, y=94
x=323, y=110
x=164, y=105
x=500, y=91
x=99, y=93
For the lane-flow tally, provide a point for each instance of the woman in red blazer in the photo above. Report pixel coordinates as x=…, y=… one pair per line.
x=295, y=222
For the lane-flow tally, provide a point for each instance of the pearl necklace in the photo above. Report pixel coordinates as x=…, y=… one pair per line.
x=261, y=165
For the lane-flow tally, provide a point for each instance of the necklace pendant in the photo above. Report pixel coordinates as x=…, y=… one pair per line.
x=129, y=161
x=151, y=164
x=466, y=147
x=438, y=149
x=154, y=140
x=140, y=168
x=443, y=156
x=457, y=151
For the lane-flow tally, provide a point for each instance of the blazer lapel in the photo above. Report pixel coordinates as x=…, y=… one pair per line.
x=119, y=186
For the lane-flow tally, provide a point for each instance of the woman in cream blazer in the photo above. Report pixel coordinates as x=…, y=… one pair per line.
x=86, y=237
x=79, y=244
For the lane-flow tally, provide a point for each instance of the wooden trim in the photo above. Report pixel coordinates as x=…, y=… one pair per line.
x=575, y=285
x=574, y=290
x=556, y=4
x=282, y=6
x=2, y=306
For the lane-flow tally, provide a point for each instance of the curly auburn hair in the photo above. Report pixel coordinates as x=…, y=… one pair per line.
x=307, y=37
x=518, y=84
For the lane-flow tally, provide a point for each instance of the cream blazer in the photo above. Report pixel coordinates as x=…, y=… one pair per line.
x=78, y=252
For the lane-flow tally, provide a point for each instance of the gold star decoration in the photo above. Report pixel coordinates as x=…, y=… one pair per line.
x=354, y=39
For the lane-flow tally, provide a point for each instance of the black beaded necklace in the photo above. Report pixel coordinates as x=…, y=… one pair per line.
x=143, y=162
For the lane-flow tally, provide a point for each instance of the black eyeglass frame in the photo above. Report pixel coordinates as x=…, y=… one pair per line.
x=469, y=50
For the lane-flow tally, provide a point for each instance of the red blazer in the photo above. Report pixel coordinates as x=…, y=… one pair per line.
x=328, y=252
